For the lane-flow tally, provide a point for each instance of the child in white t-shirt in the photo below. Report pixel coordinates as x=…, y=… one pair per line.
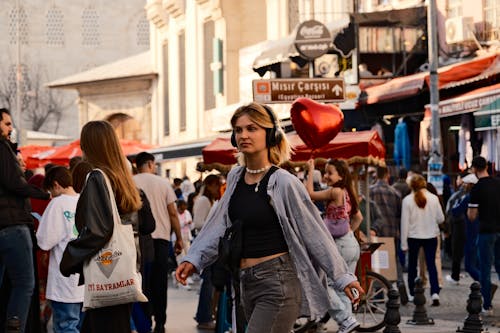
x=186, y=222
x=57, y=228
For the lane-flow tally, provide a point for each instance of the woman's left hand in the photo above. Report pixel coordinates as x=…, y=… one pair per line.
x=349, y=291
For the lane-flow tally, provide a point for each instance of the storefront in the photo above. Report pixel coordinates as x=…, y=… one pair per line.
x=471, y=121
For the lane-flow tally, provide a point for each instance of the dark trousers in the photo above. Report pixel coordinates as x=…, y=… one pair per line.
x=159, y=282
x=430, y=246
x=110, y=319
x=457, y=247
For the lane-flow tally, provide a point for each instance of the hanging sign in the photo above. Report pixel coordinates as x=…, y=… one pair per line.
x=313, y=39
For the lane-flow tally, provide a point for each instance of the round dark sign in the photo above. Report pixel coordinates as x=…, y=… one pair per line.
x=313, y=39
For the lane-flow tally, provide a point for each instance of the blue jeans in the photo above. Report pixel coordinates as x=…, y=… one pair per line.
x=471, y=259
x=16, y=260
x=271, y=295
x=489, y=251
x=66, y=317
x=341, y=305
x=430, y=246
x=204, y=310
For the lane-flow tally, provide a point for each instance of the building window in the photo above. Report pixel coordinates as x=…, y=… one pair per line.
x=90, y=27
x=166, y=110
x=208, y=36
x=293, y=14
x=54, y=33
x=143, y=31
x=454, y=8
x=492, y=19
x=182, y=81
x=22, y=20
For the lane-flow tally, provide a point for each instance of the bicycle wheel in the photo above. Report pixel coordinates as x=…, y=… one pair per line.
x=371, y=309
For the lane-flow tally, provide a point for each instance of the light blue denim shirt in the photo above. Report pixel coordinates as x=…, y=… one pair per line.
x=310, y=245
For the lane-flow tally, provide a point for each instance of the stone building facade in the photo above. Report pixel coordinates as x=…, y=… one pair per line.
x=58, y=38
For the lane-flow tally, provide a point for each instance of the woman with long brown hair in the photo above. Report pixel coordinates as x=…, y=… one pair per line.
x=94, y=216
x=342, y=217
x=421, y=214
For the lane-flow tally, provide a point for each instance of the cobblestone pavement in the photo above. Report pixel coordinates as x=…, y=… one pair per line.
x=448, y=316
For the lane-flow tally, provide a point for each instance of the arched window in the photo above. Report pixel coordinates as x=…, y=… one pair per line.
x=22, y=18
x=54, y=33
x=143, y=31
x=90, y=27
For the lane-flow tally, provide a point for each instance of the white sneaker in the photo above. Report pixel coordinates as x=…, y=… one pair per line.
x=452, y=280
x=349, y=325
x=411, y=298
x=435, y=300
x=487, y=312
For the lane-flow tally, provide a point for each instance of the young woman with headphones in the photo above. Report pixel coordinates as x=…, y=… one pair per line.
x=285, y=241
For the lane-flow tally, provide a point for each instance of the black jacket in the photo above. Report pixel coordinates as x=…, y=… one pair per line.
x=94, y=222
x=14, y=190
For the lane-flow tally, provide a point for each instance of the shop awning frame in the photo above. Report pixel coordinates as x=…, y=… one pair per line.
x=469, y=102
x=283, y=49
x=450, y=76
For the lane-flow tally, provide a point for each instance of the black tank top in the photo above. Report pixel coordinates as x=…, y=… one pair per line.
x=261, y=231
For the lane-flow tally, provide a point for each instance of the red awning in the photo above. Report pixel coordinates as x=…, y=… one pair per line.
x=356, y=147
x=403, y=87
x=62, y=154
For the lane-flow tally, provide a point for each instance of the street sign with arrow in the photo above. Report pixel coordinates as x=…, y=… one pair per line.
x=287, y=90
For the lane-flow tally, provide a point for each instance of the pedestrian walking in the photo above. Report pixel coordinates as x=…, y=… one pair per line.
x=342, y=217
x=420, y=216
x=94, y=217
x=162, y=198
x=485, y=206
x=56, y=229
x=283, y=235
x=16, y=246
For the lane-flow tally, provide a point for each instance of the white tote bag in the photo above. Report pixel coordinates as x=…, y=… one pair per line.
x=111, y=277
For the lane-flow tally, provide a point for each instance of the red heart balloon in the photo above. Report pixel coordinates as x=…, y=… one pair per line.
x=316, y=124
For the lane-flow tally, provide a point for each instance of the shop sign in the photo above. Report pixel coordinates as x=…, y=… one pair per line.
x=486, y=120
x=288, y=90
x=466, y=104
x=313, y=39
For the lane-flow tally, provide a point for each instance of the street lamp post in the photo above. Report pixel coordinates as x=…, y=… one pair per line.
x=435, y=163
x=19, y=74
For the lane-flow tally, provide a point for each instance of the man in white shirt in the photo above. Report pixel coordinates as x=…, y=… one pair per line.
x=162, y=198
x=56, y=229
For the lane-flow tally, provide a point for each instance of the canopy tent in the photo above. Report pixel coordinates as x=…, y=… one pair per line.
x=61, y=155
x=363, y=147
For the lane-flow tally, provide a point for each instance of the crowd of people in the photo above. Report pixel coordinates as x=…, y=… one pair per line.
x=296, y=238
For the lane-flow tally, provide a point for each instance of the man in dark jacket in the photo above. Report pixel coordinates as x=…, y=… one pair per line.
x=16, y=254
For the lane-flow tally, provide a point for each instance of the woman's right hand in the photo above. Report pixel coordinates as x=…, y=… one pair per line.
x=184, y=270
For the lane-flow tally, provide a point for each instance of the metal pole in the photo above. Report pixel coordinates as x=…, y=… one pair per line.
x=435, y=163
x=19, y=75
x=355, y=54
x=367, y=203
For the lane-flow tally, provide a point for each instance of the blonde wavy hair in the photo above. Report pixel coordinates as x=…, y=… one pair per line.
x=102, y=150
x=258, y=114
